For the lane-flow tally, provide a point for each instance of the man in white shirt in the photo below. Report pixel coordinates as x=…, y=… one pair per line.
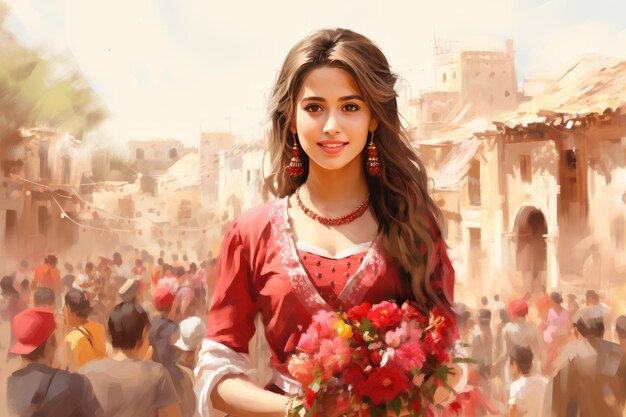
x=527, y=394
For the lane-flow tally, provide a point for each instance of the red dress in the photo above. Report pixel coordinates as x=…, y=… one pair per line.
x=261, y=270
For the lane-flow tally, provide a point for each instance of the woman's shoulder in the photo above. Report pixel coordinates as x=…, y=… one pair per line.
x=257, y=220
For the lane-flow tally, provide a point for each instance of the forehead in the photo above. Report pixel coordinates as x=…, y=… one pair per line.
x=329, y=83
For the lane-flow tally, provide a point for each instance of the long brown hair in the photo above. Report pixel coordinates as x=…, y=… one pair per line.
x=399, y=199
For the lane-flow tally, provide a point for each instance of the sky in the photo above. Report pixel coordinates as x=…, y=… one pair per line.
x=171, y=69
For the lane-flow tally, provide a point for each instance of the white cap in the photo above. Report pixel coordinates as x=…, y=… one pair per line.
x=192, y=332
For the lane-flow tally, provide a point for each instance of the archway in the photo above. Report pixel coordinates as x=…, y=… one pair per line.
x=531, y=248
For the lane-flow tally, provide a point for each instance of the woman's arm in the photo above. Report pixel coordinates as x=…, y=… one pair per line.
x=237, y=396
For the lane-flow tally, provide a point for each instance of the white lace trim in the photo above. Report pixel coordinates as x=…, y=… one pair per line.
x=316, y=250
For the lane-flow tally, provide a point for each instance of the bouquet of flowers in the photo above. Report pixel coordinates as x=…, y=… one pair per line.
x=375, y=360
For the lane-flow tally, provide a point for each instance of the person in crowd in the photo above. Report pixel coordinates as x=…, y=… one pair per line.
x=572, y=304
x=10, y=305
x=190, y=335
x=482, y=349
x=158, y=272
x=44, y=297
x=25, y=292
x=162, y=328
x=527, y=394
x=558, y=327
x=86, y=281
x=620, y=330
x=22, y=272
x=47, y=275
x=592, y=300
x=67, y=281
x=125, y=383
x=86, y=339
x=38, y=389
x=594, y=380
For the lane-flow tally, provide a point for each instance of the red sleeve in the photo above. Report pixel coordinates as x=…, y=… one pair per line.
x=231, y=317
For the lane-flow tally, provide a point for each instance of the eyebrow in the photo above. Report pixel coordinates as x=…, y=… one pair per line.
x=345, y=98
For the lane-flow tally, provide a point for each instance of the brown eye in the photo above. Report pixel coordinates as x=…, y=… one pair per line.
x=313, y=108
x=351, y=107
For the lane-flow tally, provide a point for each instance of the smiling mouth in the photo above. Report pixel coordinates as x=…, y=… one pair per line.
x=332, y=145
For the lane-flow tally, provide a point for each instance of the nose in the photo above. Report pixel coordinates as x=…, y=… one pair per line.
x=331, y=126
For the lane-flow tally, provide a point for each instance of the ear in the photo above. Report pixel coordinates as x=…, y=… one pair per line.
x=373, y=124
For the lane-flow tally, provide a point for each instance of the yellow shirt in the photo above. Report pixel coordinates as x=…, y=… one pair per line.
x=86, y=343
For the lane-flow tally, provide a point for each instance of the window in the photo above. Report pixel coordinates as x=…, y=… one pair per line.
x=44, y=169
x=475, y=238
x=436, y=117
x=173, y=153
x=139, y=154
x=473, y=178
x=506, y=93
x=42, y=220
x=524, y=168
x=248, y=177
x=444, y=77
x=454, y=75
x=66, y=165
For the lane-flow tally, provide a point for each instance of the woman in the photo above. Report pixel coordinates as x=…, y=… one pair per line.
x=353, y=222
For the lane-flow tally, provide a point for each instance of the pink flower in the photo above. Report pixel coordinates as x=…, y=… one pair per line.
x=409, y=356
x=307, y=343
x=385, y=314
x=394, y=337
x=301, y=367
x=334, y=355
x=413, y=330
x=324, y=323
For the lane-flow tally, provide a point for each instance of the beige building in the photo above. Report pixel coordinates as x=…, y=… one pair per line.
x=468, y=85
x=211, y=144
x=539, y=197
x=40, y=199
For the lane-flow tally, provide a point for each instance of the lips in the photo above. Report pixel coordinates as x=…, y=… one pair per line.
x=332, y=146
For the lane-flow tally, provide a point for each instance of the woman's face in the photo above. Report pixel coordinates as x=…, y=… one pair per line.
x=332, y=119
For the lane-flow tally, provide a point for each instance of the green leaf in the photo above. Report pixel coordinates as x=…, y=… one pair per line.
x=396, y=405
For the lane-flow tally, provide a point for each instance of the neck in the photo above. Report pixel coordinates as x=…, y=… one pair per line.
x=335, y=191
x=77, y=321
x=123, y=354
x=42, y=361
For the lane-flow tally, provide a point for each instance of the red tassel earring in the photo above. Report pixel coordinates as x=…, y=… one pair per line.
x=373, y=161
x=295, y=168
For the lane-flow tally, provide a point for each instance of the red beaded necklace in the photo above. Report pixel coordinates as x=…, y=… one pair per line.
x=333, y=221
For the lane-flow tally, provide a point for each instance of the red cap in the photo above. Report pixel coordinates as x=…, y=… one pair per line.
x=162, y=298
x=31, y=328
x=518, y=308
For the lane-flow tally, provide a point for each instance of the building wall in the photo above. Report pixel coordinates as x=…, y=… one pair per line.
x=211, y=144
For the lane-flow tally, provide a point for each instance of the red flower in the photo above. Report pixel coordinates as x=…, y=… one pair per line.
x=385, y=314
x=410, y=312
x=375, y=358
x=455, y=407
x=384, y=384
x=353, y=375
x=309, y=398
x=358, y=312
x=416, y=405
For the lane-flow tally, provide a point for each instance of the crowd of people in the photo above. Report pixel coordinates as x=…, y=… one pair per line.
x=536, y=355
x=113, y=338
x=104, y=338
